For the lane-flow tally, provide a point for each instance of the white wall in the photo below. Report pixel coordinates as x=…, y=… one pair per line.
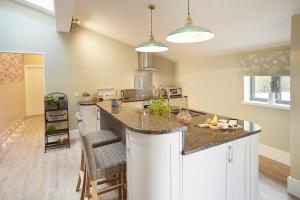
x=215, y=84
x=295, y=100
x=74, y=62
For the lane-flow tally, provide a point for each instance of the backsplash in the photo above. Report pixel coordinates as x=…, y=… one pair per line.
x=11, y=68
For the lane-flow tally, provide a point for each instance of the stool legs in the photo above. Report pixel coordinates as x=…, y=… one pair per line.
x=94, y=190
x=81, y=171
x=120, y=188
x=84, y=184
x=122, y=197
x=87, y=187
x=78, y=183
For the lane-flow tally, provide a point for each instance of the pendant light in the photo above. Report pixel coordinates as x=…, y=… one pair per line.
x=151, y=45
x=190, y=33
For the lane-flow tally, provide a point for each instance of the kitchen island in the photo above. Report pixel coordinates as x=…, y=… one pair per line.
x=169, y=160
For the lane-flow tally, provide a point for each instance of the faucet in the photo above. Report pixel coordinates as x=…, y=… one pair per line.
x=169, y=97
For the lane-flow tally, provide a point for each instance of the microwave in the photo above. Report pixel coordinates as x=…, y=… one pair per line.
x=172, y=91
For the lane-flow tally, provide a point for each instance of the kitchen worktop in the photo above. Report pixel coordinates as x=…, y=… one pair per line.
x=139, y=121
x=195, y=137
x=134, y=99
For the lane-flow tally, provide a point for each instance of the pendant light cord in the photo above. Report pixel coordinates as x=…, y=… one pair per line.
x=151, y=22
x=189, y=8
x=151, y=7
x=189, y=19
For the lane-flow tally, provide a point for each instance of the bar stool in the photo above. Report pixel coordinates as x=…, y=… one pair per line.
x=105, y=164
x=96, y=139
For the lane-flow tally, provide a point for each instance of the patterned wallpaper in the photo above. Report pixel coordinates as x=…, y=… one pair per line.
x=272, y=62
x=11, y=68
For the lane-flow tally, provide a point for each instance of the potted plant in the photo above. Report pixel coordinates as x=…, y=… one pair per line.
x=86, y=96
x=51, y=102
x=50, y=128
x=159, y=107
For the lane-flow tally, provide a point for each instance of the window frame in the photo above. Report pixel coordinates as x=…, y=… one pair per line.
x=277, y=89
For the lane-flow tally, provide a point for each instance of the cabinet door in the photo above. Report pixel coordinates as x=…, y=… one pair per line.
x=154, y=166
x=238, y=171
x=89, y=117
x=204, y=174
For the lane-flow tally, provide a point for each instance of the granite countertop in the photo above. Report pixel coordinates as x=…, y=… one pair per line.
x=139, y=121
x=135, y=99
x=195, y=137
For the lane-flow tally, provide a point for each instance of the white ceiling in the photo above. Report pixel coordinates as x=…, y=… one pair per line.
x=238, y=24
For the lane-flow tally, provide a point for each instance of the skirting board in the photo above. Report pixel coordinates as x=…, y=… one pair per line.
x=275, y=154
x=294, y=186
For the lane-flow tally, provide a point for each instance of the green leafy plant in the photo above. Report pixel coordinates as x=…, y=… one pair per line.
x=51, y=100
x=50, y=128
x=86, y=94
x=159, y=107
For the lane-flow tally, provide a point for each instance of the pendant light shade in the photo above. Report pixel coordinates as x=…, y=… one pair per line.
x=151, y=45
x=190, y=33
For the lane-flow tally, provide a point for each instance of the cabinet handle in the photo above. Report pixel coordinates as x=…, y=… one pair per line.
x=230, y=154
x=98, y=114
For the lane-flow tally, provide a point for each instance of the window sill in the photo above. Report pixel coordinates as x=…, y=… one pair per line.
x=267, y=105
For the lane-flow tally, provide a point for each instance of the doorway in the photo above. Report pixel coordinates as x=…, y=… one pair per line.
x=34, y=77
x=22, y=87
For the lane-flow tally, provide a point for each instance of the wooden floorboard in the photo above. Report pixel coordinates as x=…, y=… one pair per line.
x=27, y=173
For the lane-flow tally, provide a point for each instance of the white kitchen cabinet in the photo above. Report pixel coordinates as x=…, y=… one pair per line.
x=154, y=166
x=90, y=117
x=204, y=174
x=223, y=172
x=238, y=169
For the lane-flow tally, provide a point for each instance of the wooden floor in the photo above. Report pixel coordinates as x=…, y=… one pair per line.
x=274, y=169
x=27, y=173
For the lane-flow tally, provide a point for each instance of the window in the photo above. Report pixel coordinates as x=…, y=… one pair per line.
x=262, y=86
x=46, y=6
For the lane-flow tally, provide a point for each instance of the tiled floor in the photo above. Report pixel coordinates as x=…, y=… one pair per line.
x=27, y=173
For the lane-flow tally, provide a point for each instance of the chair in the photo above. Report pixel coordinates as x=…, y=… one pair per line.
x=105, y=164
x=96, y=139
